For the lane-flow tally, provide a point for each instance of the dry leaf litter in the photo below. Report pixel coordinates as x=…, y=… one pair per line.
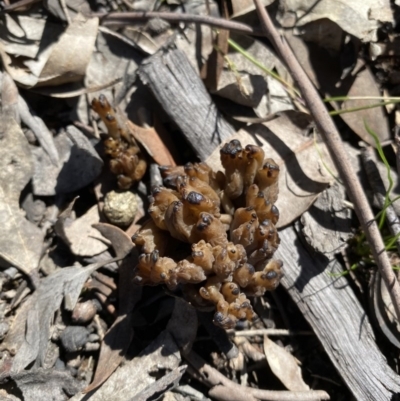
x=122, y=280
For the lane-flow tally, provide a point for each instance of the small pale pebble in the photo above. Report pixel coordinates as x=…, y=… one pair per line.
x=120, y=207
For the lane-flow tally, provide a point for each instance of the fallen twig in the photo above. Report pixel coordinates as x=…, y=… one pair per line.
x=224, y=389
x=127, y=18
x=269, y=332
x=334, y=143
x=18, y=4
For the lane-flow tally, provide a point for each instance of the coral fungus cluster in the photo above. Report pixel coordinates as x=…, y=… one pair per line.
x=214, y=233
x=126, y=162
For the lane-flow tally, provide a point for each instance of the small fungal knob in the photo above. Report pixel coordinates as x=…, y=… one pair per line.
x=120, y=207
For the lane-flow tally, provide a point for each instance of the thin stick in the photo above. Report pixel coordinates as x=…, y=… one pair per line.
x=78, y=92
x=334, y=143
x=269, y=332
x=18, y=4
x=212, y=378
x=65, y=10
x=125, y=18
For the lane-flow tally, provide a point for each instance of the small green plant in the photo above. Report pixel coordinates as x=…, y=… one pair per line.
x=358, y=243
x=389, y=175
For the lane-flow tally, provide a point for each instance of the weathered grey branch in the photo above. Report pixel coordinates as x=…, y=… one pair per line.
x=178, y=88
x=337, y=318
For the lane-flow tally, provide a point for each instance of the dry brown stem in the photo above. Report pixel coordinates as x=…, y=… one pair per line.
x=124, y=18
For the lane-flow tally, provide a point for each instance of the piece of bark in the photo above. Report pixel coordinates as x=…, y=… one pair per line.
x=177, y=86
x=136, y=375
x=161, y=386
x=327, y=223
x=337, y=318
x=40, y=384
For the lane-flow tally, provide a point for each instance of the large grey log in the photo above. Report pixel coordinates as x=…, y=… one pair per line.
x=337, y=318
x=178, y=88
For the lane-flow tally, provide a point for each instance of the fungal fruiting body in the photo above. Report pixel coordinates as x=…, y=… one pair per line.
x=214, y=234
x=126, y=159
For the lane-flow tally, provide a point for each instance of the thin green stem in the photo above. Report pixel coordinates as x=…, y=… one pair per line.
x=344, y=98
x=327, y=168
x=389, y=175
x=391, y=201
x=370, y=106
x=262, y=67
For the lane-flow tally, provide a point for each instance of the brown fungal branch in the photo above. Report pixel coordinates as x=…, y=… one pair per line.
x=214, y=233
x=127, y=161
x=334, y=143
